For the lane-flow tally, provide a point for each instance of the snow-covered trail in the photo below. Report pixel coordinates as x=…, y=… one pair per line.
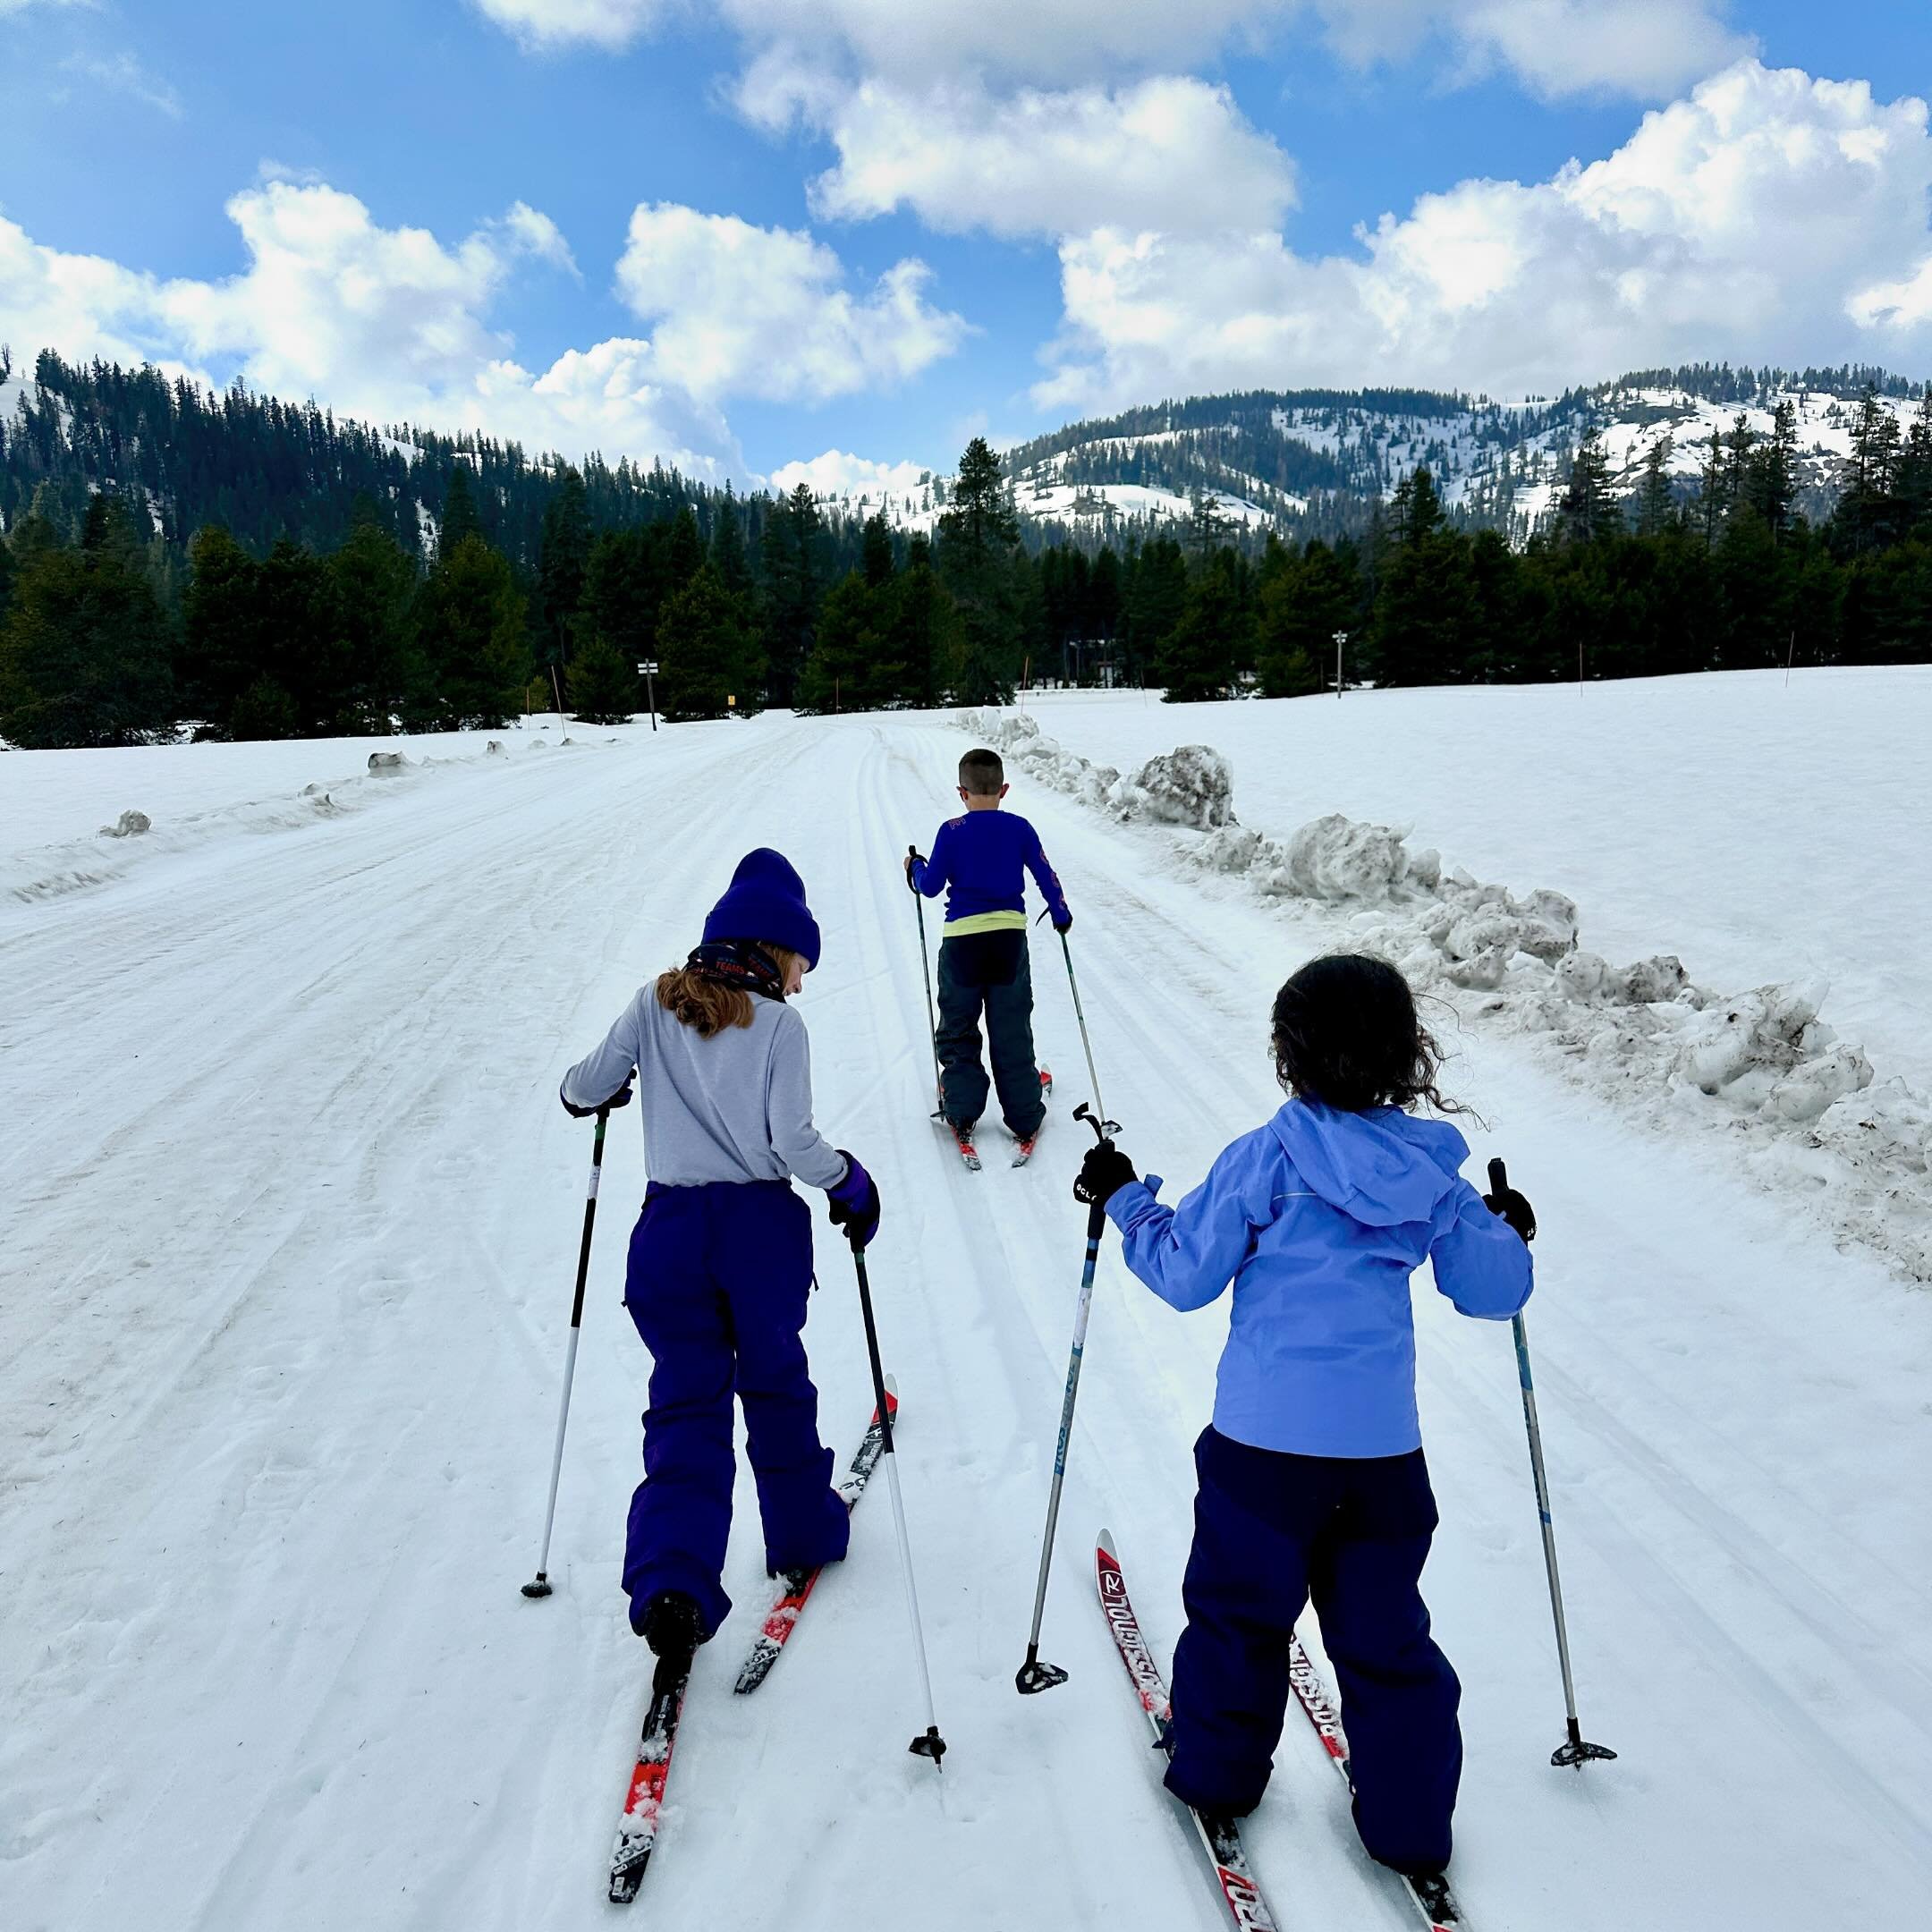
x=289, y=1214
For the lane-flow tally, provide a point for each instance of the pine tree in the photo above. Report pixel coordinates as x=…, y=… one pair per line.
x=304, y=653
x=1418, y=626
x=928, y=638
x=85, y=652
x=223, y=649
x=1866, y=516
x=793, y=538
x=460, y=518
x=977, y=534
x=1207, y=524
x=562, y=563
x=1656, y=503
x=704, y=648
x=1196, y=659
x=852, y=668
x=684, y=553
x=1303, y=606
x=622, y=593
x=470, y=623
x=1739, y=446
x=727, y=546
x=1912, y=477
x=603, y=684
x=878, y=551
x=373, y=583
x=1714, y=502
x=1157, y=587
x=1771, y=478
x=1589, y=509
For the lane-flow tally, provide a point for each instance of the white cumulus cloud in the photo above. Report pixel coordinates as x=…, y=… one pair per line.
x=393, y=325
x=1768, y=216
x=765, y=312
x=837, y=474
x=1170, y=153
x=1645, y=47
x=608, y=23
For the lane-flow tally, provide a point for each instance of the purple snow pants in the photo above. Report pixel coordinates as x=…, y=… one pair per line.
x=717, y=1283
x=1270, y=1531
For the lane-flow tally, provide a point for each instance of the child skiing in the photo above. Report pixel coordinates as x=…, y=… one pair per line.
x=983, y=856
x=1312, y=1480
x=721, y=1261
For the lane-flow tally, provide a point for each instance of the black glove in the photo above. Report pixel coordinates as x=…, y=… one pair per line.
x=1505, y=1200
x=854, y=1203
x=622, y=1097
x=1102, y=1174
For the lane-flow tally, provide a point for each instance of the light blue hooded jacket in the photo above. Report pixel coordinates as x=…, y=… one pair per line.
x=1319, y=1218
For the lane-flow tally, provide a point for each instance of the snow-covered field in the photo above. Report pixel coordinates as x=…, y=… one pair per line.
x=289, y=1214
x=1757, y=830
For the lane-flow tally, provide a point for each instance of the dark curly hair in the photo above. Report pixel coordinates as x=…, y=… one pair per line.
x=1346, y=1033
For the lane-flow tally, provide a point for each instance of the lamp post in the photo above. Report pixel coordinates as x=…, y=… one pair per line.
x=1341, y=637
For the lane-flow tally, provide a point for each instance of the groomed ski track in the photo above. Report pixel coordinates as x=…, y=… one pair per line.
x=288, y=1214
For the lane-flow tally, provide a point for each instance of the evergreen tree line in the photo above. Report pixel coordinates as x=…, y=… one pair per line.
x=1727, y=575
x=107, y=635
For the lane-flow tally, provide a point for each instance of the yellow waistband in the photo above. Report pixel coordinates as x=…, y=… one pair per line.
x=984, y=922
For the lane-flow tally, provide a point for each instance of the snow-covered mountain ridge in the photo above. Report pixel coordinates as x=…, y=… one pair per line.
x=1314, y=462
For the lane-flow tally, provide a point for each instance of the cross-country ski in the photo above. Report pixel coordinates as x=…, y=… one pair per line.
x=1219, y=1836
x=782, y=1619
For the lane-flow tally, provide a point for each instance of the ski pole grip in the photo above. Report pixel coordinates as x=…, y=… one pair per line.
x=1498, y=1177
x=1084, y=1111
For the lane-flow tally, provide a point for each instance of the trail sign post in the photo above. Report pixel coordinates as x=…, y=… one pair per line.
x=1341, y=637
x=647, y=671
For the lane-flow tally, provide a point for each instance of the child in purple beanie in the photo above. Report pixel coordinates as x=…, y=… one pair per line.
x=721, y=1258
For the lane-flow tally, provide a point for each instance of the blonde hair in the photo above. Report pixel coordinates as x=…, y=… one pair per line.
x=707, y=1006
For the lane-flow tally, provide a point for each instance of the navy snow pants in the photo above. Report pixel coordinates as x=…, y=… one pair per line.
x=989, y=973
x=717, y=1284
x=1270, y=1531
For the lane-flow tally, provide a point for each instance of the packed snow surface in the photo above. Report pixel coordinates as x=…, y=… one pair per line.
x=289, y=1217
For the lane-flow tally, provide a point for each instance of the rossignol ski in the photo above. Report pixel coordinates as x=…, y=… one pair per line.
x=963, y=1140
x=1433, y=1899
x=783, y=1616
x=637, y=1827
x=1023, y=1145
x=1220, y=1837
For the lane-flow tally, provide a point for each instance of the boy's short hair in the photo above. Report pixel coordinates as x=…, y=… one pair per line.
x=982, y=774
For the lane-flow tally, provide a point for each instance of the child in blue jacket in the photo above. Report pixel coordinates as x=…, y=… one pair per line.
x=1311, y=1477
x=981, y=860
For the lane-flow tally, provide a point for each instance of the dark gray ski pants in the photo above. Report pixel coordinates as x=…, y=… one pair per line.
x=988, y=973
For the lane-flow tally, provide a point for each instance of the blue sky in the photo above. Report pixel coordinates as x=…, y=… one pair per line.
x=874, y=229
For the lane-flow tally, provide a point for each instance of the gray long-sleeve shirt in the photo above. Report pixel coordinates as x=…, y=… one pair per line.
x=734, y=1107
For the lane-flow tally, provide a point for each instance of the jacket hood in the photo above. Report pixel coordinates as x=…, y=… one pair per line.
x=1382, y=1168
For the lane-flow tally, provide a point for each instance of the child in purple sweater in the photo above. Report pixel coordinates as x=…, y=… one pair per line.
x=979, y=859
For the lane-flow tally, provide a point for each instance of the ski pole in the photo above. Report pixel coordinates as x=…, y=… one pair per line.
x=932, y=1023
x=1574, y=1750
x=540, y=1585
x=1033, y=1676
x=1099, y=1104
x=929, y=1743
